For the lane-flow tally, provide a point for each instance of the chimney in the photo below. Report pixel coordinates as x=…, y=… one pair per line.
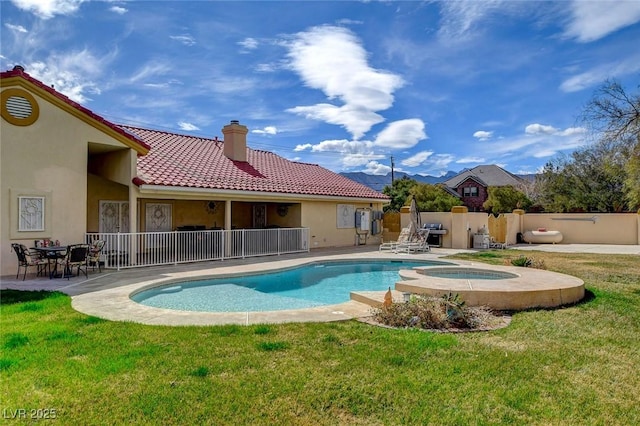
x=235, y=141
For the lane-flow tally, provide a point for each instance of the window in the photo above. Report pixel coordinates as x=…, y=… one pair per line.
x=470, y=191
x=31, y=213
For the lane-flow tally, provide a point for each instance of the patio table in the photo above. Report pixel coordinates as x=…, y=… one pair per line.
x=53, y=254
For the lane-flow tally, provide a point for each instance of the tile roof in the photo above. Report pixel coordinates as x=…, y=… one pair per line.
x=19, y=72
x=490, y=175
x=196, y=162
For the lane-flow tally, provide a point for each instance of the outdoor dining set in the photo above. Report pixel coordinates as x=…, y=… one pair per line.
x=50, y=258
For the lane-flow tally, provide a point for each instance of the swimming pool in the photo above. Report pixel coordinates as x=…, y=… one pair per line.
x=307, y=286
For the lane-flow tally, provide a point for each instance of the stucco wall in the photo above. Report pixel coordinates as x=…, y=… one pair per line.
x=321, y=219
x=608, y=228
x=47, y=157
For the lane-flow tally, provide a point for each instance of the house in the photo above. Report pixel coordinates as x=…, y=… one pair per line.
x=67, y=172
x=471, y=185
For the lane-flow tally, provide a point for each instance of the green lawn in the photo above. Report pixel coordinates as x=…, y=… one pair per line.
x=578, y=365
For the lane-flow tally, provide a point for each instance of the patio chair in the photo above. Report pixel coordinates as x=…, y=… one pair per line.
x=404, y=236
x=95, y=251
x=419, y=244
x=26, y=260
x=77, y=257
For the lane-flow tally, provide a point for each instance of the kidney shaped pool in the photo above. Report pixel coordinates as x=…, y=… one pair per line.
x=307, y=286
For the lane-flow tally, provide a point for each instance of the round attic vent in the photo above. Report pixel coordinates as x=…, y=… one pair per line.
x=19, y=107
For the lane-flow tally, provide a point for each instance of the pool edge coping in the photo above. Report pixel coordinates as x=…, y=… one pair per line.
x=115, y=304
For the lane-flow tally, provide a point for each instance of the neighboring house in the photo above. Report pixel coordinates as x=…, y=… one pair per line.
x=471, y=185
x=67, y=171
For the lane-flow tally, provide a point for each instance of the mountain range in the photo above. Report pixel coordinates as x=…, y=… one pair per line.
x=378, y=182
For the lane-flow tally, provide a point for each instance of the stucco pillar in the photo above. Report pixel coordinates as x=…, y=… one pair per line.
x=227, y=214
x=459, y=227
x=518, y=225
x=638, y=228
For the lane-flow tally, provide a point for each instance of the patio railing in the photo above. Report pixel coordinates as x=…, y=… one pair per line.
x=136, y=249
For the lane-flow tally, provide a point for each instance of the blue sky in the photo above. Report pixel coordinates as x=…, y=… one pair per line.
x=437, y=85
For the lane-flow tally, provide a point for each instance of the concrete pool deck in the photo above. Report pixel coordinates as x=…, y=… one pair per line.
x=106, y=294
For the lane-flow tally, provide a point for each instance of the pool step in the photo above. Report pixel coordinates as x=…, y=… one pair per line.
x=375, y=298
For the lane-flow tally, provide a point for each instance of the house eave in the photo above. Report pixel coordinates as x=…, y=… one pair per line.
x=168, y=191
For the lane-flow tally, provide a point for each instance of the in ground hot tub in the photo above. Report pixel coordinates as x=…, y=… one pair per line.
x=467, y=273
x=506, y=288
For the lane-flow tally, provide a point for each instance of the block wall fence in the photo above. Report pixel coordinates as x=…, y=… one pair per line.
x=576, y=228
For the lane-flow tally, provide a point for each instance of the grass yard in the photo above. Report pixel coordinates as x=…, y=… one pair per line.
x=578, y=365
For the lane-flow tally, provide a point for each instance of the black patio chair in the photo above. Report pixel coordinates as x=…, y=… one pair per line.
x=77, y=257
x=26, y=260
x=95, y=251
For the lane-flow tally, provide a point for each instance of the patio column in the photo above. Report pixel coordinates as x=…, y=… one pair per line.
x=227, y=215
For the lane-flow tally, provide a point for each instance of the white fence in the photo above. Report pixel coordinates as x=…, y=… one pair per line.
x=135, y=249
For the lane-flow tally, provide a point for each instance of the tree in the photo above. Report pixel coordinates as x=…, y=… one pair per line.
x=399, y=193
x=613, y=116
x=590, y=179
x=433, y=198
x=603, y=176
x=505, y=199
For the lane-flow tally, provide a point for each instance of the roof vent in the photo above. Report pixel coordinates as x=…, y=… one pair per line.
x=235, y=121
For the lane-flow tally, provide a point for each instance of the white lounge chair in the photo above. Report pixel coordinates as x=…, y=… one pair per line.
x=404, y=236
x=419, y=244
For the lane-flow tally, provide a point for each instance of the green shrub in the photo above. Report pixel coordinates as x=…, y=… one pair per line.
x=528, y=262
x=521, y=261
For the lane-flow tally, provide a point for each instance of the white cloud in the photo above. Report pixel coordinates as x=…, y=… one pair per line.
x=592, y=20
x=46, y=9
x=467, y=160
x=266, y=68
x=541, y=129
x=72, y=74
x=151, y=69
x=376, y=168
x=483, y=135
x=571, y=131
x=248, y=43
x=185, y=39
x=332, y=59
x=118, y=9
x=437, y=163
x=538, y=141
x=16, y=28
x=460, y=20
x=268, y=130
x=342, y=146
x=416, y=159
x=537, y=129
x=352, y=153
x=356, y=120
x=402, y=134
x=355, y=160
x=595, y=76
x=187, y=126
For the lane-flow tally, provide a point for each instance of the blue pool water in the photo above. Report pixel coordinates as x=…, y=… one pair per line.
x=304, y=287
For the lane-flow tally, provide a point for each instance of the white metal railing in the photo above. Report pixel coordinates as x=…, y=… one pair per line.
x=136, y=249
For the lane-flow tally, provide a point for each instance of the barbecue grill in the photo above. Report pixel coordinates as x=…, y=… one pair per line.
x=435, y=233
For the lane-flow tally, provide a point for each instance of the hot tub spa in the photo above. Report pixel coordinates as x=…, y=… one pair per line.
x=506, y=288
